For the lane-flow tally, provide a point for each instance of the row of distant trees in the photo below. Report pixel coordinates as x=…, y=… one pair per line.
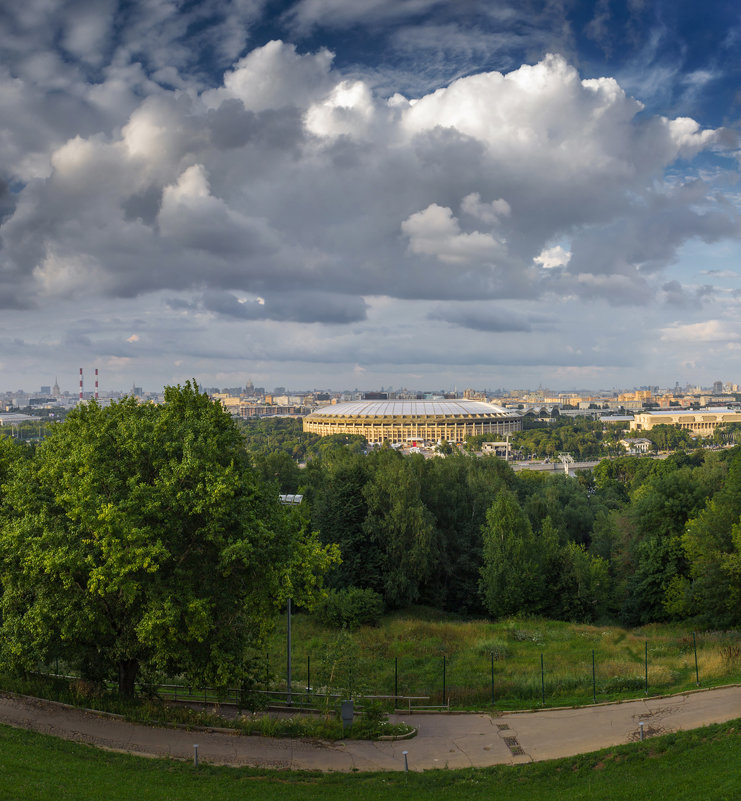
x=630, y=540
x=592, y=439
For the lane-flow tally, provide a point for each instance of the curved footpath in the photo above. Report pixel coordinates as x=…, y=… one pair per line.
x=443, y=740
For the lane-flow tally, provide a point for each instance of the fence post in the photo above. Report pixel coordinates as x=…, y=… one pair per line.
x=697, y=671
x=443, y=679
x=492, y=678
x=646, y=667
x=594, y=681
x=542, y=679
x=308, y=673
x=396, y=681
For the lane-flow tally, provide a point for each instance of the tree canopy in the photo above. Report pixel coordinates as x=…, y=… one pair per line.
x=138, y=540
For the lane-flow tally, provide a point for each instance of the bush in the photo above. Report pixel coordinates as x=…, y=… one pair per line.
x=351, y=607
x=374, y=713
x=498, y=648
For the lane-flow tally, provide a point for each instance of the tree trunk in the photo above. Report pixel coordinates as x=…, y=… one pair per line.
x=127, y=671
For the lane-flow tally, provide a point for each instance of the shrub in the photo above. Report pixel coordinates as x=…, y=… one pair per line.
x=498, y=648
x=351, y=607
x=374, y=713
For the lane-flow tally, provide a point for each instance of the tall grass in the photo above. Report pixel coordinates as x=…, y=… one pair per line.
x=405, y=653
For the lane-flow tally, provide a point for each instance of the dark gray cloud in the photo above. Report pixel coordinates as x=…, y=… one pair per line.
x=490, y=319
x=297, y=307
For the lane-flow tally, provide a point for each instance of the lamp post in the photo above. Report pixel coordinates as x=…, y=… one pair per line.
x=288, y=653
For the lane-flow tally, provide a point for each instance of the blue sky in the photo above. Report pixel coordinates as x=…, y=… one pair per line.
x=389, y=193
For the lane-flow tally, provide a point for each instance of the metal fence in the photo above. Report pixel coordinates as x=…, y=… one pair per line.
x=544, y=678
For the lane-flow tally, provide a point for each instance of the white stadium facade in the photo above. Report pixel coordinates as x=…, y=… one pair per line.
x=413, y=421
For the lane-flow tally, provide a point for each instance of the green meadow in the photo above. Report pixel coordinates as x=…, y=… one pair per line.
x=423, y=653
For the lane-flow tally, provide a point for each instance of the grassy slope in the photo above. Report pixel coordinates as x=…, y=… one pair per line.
x=420, y=638
x=703, y=764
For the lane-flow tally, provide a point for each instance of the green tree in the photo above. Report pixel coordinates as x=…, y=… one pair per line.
x=659, y=513
x=712, y=545
x=339, y=510
x=457, y=491
x=401, y=527
x=583, y=588
x=563, y=499
x=139, y=541
x=280, y=468
x=511, y=580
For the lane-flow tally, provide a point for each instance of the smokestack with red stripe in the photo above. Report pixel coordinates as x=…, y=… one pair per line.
x=81, y=385
x=96, y=383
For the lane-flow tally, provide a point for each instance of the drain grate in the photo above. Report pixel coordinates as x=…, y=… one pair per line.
x=514, y=747
x=502, y=726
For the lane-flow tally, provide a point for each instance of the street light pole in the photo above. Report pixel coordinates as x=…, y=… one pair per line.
x=288, y=653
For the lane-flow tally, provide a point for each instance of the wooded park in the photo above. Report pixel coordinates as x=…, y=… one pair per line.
x=143, y=541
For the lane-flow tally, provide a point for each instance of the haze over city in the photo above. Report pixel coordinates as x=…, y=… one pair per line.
x=402, y=192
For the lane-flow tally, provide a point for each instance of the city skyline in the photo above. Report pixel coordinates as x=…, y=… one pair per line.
x=319, y=193
x=90, y=388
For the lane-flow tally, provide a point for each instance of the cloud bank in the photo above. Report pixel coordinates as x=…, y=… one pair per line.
x=294, y=191
x=289, y=178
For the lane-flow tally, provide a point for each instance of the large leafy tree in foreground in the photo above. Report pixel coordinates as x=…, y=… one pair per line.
x=138, y=540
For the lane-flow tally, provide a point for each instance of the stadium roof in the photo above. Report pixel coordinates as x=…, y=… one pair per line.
x=413, y=408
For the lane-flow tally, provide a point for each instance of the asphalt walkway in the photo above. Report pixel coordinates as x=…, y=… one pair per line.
x=443, y=740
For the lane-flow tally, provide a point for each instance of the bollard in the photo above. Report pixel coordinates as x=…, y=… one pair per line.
x=195, y=756
x=406, y=761
x=643, y=733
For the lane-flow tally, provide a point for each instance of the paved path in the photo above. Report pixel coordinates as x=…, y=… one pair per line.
x=444, y=740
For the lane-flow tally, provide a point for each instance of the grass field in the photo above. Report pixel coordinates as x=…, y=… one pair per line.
x=702, y=765
x=406, y=652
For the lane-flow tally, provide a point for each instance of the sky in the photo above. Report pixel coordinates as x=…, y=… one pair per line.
x=388, y=193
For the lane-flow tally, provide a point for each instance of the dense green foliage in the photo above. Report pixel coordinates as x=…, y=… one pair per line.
x=581, y=437
x=137, y=541
x=635, y=539
x=351, y=607
x=587, y=439
x=141, y=540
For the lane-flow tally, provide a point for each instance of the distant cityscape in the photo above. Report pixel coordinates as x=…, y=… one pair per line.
x=250, y=401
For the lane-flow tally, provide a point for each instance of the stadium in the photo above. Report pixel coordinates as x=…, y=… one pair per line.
x=413, y=421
